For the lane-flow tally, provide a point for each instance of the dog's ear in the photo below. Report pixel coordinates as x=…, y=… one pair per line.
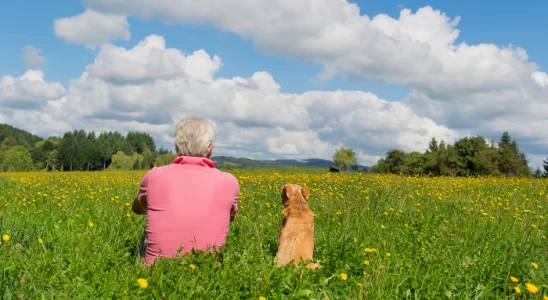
x=306, y=193
x=286, y=191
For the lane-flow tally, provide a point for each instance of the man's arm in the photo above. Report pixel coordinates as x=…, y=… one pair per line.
x=235, y=189
x=140, y=203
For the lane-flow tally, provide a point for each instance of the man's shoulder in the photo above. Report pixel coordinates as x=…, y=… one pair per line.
x=229, y=177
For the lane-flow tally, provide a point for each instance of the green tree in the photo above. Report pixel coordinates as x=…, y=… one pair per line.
x=345, y=157
x=148, y=158
x=545, y=167
x=18, y=159
x=52, y=160
x=164, y=159
x=511, y=161
x=122, y=161
x=432, y=146
x=538, y=173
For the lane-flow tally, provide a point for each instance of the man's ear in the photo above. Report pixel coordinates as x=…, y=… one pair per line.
x=306, y=193
x=209, y=151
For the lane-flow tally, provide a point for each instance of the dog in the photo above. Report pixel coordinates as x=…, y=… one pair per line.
x=297, y=230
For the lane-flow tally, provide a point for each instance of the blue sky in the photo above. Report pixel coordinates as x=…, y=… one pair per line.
x=487, y=21
x=483, y=91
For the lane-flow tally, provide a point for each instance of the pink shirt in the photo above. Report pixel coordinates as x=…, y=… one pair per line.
x=189, y=203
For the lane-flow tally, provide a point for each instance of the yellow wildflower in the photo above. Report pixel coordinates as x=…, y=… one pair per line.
x=193, y=267
x=143, y=283
x=514, y=279
x=517, y=289
x=90, y=224
x=344, y=276
x=533, y=289
x=5, y=237
x=366, y=262
x=534, y=265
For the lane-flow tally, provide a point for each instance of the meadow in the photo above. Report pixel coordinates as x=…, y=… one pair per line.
x=74, y=236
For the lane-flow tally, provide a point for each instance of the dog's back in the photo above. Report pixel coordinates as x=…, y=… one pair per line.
x=297, y=232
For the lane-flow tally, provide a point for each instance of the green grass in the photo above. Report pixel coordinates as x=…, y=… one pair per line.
x=447, y=238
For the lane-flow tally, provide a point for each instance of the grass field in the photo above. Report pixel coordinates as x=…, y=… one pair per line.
x=74, y=236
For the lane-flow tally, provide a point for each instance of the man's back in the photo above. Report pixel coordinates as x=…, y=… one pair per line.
x=189, y=204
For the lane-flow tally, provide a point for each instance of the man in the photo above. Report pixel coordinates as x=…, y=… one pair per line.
x=189, y=203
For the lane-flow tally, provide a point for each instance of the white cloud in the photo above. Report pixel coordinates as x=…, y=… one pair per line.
x=32, y=56
x=92, y=28
x=29, y=90
x=150, y=87
x=541, y=78
x=150, y=60
x=418, y=48
x=456, y=87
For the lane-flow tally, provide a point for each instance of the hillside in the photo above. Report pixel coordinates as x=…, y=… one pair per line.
x=18, y=136
x=244, y=163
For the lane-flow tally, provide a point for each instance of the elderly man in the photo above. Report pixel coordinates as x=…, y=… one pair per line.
x=189, y=203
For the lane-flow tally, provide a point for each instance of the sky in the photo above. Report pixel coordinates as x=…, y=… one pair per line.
x=280, y=79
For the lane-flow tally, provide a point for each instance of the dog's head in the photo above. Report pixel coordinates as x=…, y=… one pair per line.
x=294, y=193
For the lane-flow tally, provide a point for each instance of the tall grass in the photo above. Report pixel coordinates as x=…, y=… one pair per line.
x=73, y=236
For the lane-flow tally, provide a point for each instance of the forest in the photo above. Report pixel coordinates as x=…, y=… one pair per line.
x=469, y=156
x=79, y=150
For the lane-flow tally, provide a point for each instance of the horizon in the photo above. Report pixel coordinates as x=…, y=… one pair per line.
x=284, y=83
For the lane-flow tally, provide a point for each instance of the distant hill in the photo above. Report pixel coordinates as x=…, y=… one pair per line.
x=244, y=163
x=20, y=137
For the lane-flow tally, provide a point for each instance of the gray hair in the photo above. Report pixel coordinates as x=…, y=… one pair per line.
x=193, y=136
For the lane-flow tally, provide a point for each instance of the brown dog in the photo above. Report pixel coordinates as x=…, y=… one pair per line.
x=297, y=232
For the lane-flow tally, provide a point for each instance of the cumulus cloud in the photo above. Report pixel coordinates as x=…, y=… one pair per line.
x=92, y=28
x=151, y=87
x=418, y=48
x=540, y=78
x=28, y=91
x=455, y=87
x=458, y=85
x=32, y=56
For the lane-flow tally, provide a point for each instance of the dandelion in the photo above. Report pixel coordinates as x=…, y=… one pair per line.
x=533, y=289
x=366, y=262
x=40, y=241
x=143, y=283
x=5, y=237
x=344, y=276
x=382, y=226
x=193, y=267
x=514, y=279
x=262, y=298
x=90, y=224
x=534, y=264
x=370, y=250
x=517, y=289
x=388, y=254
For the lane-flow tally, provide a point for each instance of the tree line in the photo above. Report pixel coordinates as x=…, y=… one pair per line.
x=470, y=156
x=79, y=151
